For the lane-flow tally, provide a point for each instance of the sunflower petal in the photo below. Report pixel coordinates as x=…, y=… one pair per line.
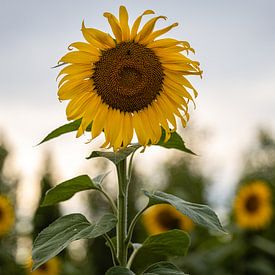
x=115, y=26
x=158, y=33
x=148, y=28
x=123, y=19
x=136, y=24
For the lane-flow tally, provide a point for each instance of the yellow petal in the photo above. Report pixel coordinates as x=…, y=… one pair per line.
x=167, y=110
x=69, y=89
x=76, y=106
x=158, y=33
x=99, y=120
x=84, y=47
x=136, y=24
x=79, y=58
x=181, y=80
x=128, y=128
x=123, y=19
x=75, y=69
x=148, y=28
x=141, y=134
x=163, y=43
x=102, y=37
x=74, y=77
x=89, y=114
x=115, y=26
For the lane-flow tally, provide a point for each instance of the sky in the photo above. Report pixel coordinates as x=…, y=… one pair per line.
x=234, y=42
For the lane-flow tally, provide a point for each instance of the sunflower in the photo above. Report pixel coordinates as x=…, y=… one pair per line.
x=252, y=205
x=6, y=215
x=128, y=83
x=52, y=267
x=162, y=217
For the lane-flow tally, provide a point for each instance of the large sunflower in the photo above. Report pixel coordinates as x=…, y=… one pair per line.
x=132, y=82
x=52, y=267
x=252, y=205
x=162, y=217
x=6, y=215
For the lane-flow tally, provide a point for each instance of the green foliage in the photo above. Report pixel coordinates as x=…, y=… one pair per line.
x=199, y=213
x=66, y=128
x=67, y=189
x=116, y=157
x=163, y=268
x=174, y=142
x=65, y=230
x=159, y=247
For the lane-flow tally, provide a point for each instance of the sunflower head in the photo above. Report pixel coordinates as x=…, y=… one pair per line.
x=128, y=83
x=163, y=217
x=252, y=205
x=52, y=267
x=6, y=215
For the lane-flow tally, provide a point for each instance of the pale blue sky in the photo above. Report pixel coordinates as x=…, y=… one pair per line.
x=234, y=41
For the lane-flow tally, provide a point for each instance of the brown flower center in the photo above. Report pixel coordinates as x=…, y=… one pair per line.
x=128, y=77
x=168, y=221
x=252, y=203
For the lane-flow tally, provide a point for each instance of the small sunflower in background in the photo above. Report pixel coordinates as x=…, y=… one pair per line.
x=6, y=215
x=253, y=206
x=163, y=217
x=128, y=83
x=52, y=267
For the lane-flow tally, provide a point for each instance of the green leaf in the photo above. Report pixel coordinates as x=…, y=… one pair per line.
x=65, y=230
x=199, y=213
x=163, y=268
x=66, y=128
x=174, y=142
x=67, y=189
x=118, y=270
x=159, y=247
x=115, y=157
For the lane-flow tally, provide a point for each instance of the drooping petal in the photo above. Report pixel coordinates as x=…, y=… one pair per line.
x=136, y=24
x=148, y=28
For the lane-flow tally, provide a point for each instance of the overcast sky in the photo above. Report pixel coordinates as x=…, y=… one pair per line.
x=234, y=41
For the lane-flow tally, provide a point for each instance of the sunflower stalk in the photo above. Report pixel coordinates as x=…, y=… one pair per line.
x=122, y=202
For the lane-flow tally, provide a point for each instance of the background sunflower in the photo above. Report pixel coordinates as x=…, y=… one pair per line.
x=252, y=205
x=163, y=217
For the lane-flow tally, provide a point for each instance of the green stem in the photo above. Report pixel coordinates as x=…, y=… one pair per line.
x=122, y=212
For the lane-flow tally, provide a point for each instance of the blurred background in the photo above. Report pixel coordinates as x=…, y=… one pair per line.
x=232, y=131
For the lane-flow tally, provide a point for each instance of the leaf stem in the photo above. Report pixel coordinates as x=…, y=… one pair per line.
x=110, y=200
x=112, y=248
x=132, y=225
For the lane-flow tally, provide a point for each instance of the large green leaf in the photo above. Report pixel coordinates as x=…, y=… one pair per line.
x=163, y=268
x=159, y=247
x=65, y=230
x=66, y=128
x=116, y=157
x=67, y=189
x=174, y=142
x=199, y=213
x=118, y=270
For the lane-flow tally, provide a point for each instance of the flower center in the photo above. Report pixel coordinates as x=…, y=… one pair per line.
x=252, y=203
x=128, y=77
x=168, y=221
